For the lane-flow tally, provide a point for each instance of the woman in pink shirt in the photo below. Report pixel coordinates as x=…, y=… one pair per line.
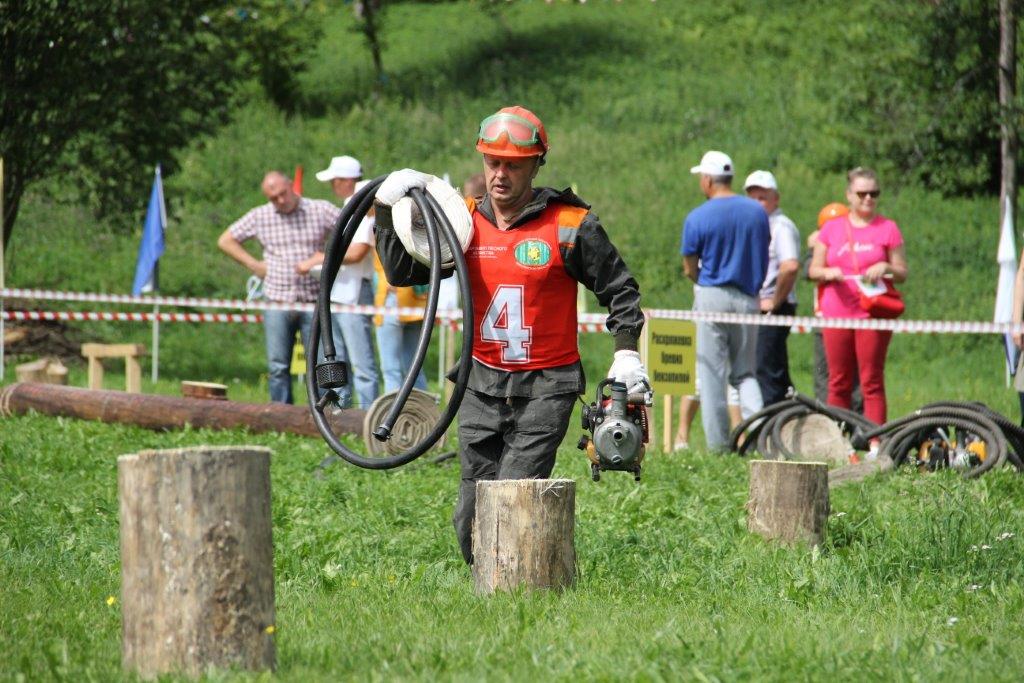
x=865, y=246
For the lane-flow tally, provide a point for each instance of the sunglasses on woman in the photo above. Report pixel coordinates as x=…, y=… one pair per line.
x=869, y=193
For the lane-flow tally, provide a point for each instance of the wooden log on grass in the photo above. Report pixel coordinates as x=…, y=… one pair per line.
x=788, y=500
x=197, y=573
x=523, y=534
x=169, y=412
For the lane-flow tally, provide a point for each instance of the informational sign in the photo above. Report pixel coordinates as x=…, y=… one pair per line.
x=298, y=357
x=672, y=356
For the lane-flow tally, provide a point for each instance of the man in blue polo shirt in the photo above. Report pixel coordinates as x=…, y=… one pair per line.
x=725, y=251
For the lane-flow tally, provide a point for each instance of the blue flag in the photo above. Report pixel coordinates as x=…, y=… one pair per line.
x=152, y=246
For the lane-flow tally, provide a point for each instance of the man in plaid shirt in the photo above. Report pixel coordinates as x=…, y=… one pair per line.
x=292, y=231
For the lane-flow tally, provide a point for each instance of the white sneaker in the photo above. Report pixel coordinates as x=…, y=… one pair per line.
x=872, y=454
x=680, y=446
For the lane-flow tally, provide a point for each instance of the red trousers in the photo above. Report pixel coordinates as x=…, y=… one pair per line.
x=853, y=353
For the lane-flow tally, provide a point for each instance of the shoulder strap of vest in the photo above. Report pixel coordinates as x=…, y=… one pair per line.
x=569, y=219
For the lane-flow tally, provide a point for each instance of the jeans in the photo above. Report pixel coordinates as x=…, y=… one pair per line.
x=397, y=343
x=279, y=328
x=356, y=330
x=726, y=355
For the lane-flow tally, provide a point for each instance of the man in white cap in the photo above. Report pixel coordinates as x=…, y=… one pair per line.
x=778, y=294
x=353, y=332
x=343, y=173
x=725, y=251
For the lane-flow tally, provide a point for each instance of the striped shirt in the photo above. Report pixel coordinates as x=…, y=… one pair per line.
x=287, y=239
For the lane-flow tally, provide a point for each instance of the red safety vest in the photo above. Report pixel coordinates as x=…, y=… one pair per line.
x=524, y=303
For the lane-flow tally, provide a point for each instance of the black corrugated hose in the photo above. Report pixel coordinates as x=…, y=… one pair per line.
x=324, y=376
x=901, y=439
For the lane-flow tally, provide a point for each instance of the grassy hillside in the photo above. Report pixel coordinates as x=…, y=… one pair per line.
x=632, y=94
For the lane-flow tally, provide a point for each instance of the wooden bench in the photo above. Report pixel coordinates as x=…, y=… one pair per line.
x=95, y=353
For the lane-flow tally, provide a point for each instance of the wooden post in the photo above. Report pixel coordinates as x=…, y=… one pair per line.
x=449, y=361
x=667, y=427
x=132, y=375
x=788, y=500
x=95, y=373
x=197, y=573
x=523, y=534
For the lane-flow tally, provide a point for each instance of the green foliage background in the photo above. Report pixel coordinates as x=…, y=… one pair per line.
x=632, y=95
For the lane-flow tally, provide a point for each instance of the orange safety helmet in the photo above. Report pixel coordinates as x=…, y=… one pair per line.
x=512, y=132
x=830, y=211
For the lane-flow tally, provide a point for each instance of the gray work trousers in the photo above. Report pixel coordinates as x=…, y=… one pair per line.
x=499, y=438
x=726, y=355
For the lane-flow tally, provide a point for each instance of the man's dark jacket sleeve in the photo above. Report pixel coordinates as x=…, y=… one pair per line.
x=594, y=261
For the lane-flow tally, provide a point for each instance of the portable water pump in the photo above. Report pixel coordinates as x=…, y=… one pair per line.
x=619, y=430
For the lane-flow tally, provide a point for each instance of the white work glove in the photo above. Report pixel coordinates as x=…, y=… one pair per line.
x=412, y=231
x=398, y=184
x=628, y=369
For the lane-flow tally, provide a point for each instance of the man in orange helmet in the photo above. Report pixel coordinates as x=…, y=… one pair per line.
x=530, y=246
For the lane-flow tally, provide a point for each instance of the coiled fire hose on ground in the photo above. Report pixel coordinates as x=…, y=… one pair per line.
x=330, y=373
x=937, y=435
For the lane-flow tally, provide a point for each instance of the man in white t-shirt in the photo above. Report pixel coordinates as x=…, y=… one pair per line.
x=778, y=293
x=354, y=285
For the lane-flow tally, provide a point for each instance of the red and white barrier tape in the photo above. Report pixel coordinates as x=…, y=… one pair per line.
x=145, y=316
x=122, y=316
x=588, y=322
x=236, y=304
x=806, y=323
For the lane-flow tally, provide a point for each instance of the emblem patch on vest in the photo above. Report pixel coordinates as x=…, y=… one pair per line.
x=533, y=253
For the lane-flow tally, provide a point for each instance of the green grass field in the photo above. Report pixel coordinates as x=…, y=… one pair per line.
x=920, y=576
x=919, y=579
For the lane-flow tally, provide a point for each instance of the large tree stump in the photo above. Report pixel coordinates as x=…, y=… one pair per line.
x=523, y=534
x=788, y=500
x=197, y=575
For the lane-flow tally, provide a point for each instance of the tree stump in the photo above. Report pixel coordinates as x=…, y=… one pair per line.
x=788, y=500
x=197, y=575
x=523, y=534
x=211, y=390
x=46, y=370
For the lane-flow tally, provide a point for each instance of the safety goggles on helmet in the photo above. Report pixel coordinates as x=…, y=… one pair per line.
x=520, y=131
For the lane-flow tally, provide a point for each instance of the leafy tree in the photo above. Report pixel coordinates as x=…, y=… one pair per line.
x=369, y=19
x=920, y=93
x=96, y=91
